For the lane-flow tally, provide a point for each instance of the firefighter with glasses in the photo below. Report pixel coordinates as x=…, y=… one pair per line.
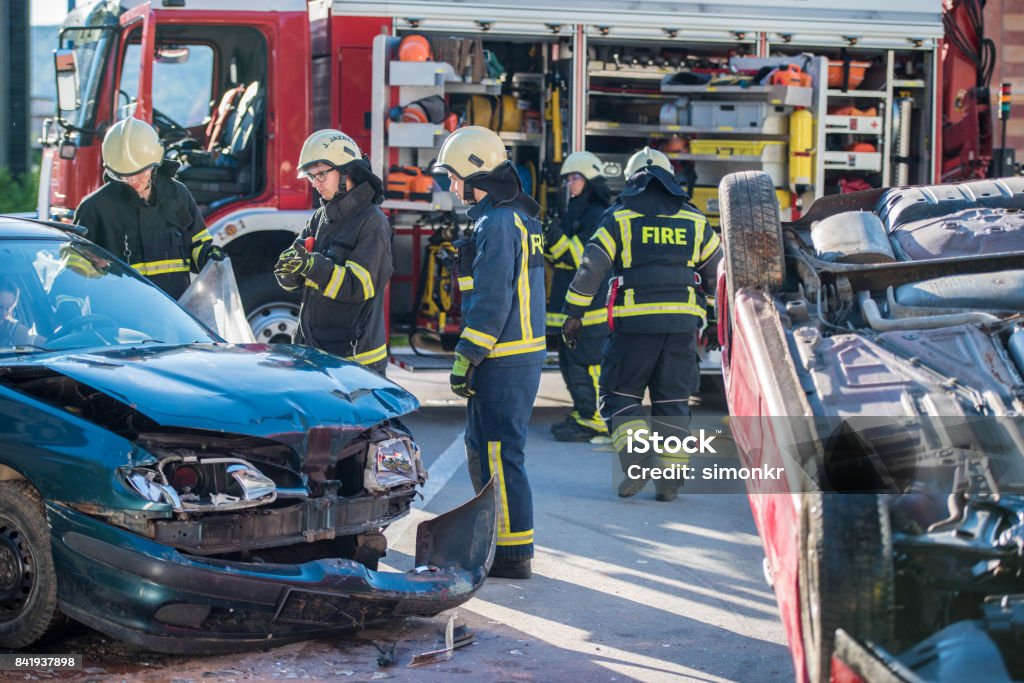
x=502, y=346
x=663, y=257
x=143, y=214
x=589, y=197
x=342, y=259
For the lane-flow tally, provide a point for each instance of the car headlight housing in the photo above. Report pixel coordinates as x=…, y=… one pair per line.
x=393, y=464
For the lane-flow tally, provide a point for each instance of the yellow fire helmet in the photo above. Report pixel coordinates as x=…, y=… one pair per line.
x=585, y=163
x=470, y=152
x=131, y=146
x=644, y=158
x=330, y=147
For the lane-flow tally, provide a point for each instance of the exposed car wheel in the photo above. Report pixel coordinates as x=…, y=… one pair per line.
x=846, y=574
x=28, y=584
x=272, y=312
x=752, y=231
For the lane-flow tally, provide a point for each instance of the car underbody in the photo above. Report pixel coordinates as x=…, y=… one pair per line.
x=899, y=417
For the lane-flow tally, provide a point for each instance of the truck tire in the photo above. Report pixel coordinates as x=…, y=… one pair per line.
x=272, y=312
x=846, y=574
x=28, y=583
x=751, y=231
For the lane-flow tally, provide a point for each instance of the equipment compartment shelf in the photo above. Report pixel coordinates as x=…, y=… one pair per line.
x=853, y=161
x=416, y=134
x=641, y=129
x=443, y=201
x=790, y=95
x=856, y=125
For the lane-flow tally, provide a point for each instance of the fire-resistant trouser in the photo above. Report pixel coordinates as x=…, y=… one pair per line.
x=664, y=363
x=497, y=419
x=581, y=370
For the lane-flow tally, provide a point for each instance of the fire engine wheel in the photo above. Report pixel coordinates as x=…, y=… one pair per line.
x=272, y=312
x=846, y=574
x=28, y=584
x=751, y=231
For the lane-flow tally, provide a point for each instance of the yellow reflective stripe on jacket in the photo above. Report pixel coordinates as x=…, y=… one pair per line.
x=709, y=249
x=598, y=316
x=525, y=324
x=518, y=347
x=575, y=299
x=370, y=357
x=466, y=283
x=479, y=338
x=604, y=237
x=576, y=249
x=310, y=283
x=662, y=308
x=625, y=219
x=364, y=277
x=161, y=267
x=200, y=240
x=559, y=247
x=692, y=215
x=698, y=239
x=334, y=284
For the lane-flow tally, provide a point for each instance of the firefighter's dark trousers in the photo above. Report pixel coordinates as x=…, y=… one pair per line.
x=497, y=419
x=581, y=370
x=666, y=364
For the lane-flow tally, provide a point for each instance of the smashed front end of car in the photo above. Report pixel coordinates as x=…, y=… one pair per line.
x=198, y=511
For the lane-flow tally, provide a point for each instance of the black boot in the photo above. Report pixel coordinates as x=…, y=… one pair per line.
x=574, y=431
x=630, y=486
x=510, y=569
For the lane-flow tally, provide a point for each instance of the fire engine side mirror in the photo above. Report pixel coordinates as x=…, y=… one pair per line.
x=68, y=93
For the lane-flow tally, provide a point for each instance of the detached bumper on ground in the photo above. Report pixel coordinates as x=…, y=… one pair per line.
x=152, y=595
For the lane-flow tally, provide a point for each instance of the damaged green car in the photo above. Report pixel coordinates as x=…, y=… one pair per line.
x=188, y=495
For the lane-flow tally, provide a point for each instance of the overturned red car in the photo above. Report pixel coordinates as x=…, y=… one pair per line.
x=874, y=349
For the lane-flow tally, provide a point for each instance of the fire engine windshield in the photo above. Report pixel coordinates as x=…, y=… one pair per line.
x=89, y=31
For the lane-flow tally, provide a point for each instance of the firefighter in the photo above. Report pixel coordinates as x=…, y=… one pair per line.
x=143, y=214
x=663, y=256
x=345, y=273
x=589, y=197
x=502, y=345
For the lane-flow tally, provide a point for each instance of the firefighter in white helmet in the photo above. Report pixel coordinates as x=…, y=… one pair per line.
x=502, y=345
x=142, y=214
x=589, y=197
x=663, y=257
x=342, y=259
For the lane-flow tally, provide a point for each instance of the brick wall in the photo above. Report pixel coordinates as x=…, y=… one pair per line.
x=1004, y=23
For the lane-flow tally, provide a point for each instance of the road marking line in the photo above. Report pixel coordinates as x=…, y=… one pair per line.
x=444, y=468
x=441, y=472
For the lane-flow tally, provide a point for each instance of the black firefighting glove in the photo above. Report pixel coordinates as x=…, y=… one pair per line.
x=461, y=379
x=288, y=254
x=216, y=254
x=303, y=262
x=571, y=331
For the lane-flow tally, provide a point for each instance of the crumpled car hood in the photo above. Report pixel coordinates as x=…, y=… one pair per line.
x=255, y=389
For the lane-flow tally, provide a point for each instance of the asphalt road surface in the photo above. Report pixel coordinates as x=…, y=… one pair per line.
x=623, y=590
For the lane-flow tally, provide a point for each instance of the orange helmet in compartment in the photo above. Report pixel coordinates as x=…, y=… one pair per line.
x=414, y=48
